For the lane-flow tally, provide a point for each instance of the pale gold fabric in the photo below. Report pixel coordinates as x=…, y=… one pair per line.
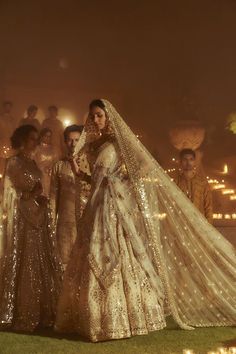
x=56, y=126
x=141, y=221
x=198, y=191
x=45, y=157
x=7, y=126
x=30, y=273
x=30, y=121
x=68, y=198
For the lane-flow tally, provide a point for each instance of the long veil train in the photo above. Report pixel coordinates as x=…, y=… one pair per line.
x=196, y=264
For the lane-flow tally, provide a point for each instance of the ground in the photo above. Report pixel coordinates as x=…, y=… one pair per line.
x=168, y=341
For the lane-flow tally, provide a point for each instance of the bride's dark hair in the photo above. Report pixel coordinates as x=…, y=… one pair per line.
x=108, y=134
x=97, y=103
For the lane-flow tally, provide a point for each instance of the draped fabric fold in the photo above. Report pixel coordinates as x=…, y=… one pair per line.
x=196, y=263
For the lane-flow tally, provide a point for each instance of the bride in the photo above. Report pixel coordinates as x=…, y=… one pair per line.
x=143, y=250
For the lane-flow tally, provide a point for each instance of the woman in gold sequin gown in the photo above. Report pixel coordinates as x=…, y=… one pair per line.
x=45, y=157
x=29, y=268
x=143, y=250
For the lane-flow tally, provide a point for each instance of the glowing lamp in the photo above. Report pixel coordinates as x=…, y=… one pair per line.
x=66, y=122
x=226, y=169
x=217, y=216
x=227, y=216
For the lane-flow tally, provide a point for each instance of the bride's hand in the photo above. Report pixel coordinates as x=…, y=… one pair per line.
x=74, y=166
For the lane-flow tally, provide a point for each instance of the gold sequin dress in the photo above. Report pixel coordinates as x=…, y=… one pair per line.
x=45, y=157
x=30, y=273
x=144, y=251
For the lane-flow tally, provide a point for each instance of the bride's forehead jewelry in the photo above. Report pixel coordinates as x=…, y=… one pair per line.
x=106, y=111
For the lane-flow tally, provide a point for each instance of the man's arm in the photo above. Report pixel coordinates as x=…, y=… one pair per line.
x=208, y=206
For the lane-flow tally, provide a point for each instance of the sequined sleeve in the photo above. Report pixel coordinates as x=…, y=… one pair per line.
x=14, y=177
x=54, y=191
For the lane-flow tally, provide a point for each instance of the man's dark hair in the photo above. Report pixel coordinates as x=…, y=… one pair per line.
x=187, y=152
x=71, y=129
x=32, y=108
x=53, y=108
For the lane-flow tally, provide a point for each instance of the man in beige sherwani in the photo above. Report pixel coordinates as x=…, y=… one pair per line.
x=194, y=184
x=68, y=194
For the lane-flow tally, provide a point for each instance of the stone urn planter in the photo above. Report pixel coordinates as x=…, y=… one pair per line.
x=187, y=134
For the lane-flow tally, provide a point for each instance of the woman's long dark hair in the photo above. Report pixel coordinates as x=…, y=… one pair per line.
x=21, y=134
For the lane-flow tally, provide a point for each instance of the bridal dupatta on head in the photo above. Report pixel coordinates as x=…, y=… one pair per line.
x=196, y=264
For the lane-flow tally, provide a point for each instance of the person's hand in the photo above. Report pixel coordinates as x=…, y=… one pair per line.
x=74, y=166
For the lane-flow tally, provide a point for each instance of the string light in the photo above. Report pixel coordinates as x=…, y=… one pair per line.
x=213, y=181
x=219, y=186
x=228, y=191
x=227, y=216
x=217, y=216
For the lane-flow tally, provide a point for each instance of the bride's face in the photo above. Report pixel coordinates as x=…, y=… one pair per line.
x=99, y=117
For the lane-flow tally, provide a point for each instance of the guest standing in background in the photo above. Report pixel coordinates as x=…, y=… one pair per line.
x=56, y=126
x=7, y=122
x=31, y=117
x=7, y=126
x=194, y=184
x=45, y=157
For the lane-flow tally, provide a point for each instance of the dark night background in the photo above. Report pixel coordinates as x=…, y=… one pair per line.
x=157, y=61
